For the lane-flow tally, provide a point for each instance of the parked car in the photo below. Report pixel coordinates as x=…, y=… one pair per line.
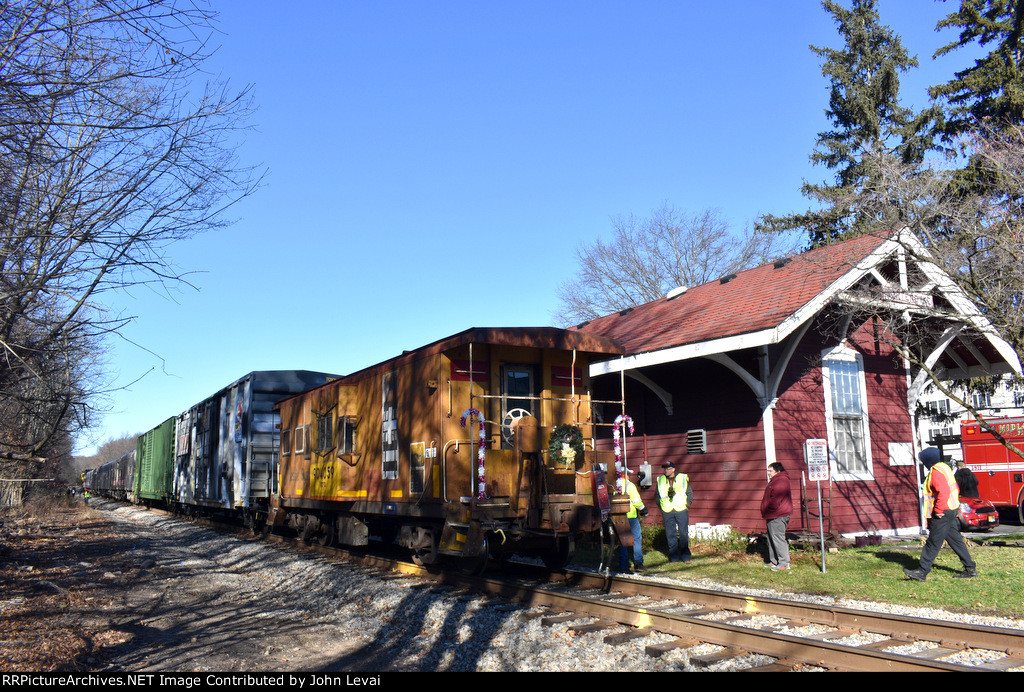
x=977, y=514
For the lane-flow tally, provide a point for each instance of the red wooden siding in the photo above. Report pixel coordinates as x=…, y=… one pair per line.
x=729, y=479
x=889, y=500
x=705, y=395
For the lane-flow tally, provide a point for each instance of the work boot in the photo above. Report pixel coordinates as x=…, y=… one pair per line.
x=916, y=574
x=967, y=573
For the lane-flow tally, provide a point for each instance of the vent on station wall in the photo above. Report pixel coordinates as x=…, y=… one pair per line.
x=697, y=441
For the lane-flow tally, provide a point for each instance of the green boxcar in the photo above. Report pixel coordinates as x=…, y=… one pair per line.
x=154, y=464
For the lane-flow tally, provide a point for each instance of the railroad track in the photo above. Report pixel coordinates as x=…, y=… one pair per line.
x=717, y=625
x=793, y=634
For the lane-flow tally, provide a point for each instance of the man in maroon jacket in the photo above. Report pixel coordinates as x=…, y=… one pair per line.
x=776, y=508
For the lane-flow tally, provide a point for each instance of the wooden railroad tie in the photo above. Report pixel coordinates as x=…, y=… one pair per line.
x=656, y=650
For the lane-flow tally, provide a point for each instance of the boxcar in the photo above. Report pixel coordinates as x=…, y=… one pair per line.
x=154, y=465
x=225, y=455
x=478, y=444
x=114, y=478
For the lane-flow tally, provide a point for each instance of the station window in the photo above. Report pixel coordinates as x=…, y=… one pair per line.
x=846, y=415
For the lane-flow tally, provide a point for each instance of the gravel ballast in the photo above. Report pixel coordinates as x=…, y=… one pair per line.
x=180, y=597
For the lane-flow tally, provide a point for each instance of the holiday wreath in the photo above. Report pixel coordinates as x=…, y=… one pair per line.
x=565, y=446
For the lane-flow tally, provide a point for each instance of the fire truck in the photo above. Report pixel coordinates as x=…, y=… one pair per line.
x=1000, y=471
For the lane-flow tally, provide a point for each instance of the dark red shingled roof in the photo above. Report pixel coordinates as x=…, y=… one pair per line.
x=756, y=299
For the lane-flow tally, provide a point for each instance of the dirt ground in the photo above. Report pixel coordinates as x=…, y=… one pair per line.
x=78, y=593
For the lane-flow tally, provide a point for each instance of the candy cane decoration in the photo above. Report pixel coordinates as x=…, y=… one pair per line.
x=480, y=452
x=620, y=476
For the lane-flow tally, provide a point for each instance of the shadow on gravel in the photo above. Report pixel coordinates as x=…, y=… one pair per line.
x=458, y=642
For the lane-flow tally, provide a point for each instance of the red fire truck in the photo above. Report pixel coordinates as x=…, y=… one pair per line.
x=1000, y=471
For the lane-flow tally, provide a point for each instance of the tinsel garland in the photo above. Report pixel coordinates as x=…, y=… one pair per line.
x=620, y=474
x=480, y=452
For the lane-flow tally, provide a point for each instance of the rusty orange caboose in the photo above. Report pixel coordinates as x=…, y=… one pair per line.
x=479, y=444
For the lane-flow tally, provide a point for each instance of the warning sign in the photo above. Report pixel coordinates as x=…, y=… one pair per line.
x=816, y=455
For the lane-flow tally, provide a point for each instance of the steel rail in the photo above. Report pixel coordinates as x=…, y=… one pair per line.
x=782, y=646
x=951, y=634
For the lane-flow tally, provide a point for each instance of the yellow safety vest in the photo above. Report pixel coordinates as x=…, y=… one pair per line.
x=677, y=503
x=635, y=503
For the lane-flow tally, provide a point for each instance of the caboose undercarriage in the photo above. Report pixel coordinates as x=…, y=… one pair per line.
x=472, y=532
x=535, y=523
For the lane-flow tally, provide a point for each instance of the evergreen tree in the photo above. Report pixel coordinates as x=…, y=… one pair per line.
x=991, y=92
x=867, y=118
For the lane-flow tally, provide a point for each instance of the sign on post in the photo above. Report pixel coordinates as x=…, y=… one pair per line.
x=816, y=456
x=816, y=453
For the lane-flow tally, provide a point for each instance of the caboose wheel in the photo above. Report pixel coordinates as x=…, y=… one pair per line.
x=424, y=556
x=474, y=565
x=325, y=534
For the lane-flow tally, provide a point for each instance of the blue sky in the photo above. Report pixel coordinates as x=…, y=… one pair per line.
x=433, y=164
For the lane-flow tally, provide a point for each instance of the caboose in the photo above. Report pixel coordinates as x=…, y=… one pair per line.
x=477, y=445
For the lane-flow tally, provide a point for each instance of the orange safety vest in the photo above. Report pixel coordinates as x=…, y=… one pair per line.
x=931, y=490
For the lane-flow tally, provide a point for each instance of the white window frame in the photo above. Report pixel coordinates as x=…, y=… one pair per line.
x=843, y=353
x=938, y=407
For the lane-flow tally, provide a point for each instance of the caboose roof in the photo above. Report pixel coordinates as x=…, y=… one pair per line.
x=533, y=337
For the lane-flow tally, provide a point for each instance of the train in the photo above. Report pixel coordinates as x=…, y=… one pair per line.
x=477, y=447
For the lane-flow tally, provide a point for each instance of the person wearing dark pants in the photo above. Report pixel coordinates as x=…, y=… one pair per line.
x=776, y=508
x=674, y=498
x=942, y=505
x=636, y=510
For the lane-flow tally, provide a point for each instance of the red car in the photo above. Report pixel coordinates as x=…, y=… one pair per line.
x=977, y=514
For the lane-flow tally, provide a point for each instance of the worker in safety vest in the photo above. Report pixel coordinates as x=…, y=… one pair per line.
x=674, y=498
x=636, y=510
x=942, y=504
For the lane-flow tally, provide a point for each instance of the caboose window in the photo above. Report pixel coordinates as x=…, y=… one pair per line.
x=346, y=435
x=518, y=396
x=846, y=414
x=324, y=434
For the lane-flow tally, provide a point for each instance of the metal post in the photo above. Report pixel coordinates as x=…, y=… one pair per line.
x=821, y=529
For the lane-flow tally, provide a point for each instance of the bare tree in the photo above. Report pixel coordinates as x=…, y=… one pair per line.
x=113, y=145
x=647, y=257
x=974, y=238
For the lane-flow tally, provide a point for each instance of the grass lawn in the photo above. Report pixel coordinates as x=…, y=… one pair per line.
x=872, y=573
